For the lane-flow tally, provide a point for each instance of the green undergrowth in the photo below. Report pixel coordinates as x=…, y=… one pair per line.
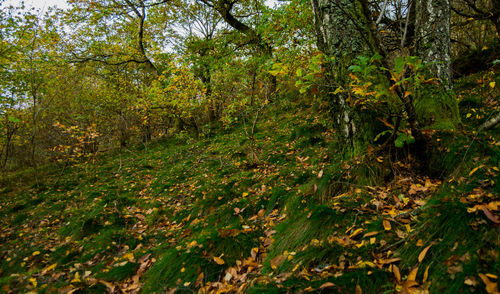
x=191, y=202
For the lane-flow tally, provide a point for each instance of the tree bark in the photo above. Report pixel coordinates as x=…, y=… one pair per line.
x=338, y=37
x=432, y=28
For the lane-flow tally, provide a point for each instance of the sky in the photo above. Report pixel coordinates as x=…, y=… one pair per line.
x=39, y=4
x=43, y=4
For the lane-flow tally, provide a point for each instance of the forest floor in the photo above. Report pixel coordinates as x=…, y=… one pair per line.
x=288, y=215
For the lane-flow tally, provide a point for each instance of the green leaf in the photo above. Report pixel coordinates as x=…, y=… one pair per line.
x=403, y=139
x=355, y=68
x=14, y=119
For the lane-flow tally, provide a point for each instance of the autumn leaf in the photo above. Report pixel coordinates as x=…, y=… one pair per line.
x=489, y=215
x=358, y=290
x=397, y=274
x=475, y=170
x=412, y=276
x=426, y=274
x=422, y=254
x=327, y=285
x=218, y=260
x=129, y=256
x=387, y=225
x=48, y=268
x=491, y=287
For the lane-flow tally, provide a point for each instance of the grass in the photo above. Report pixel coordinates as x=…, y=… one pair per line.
x=304, y=208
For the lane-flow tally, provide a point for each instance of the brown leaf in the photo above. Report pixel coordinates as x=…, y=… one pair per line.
x=327, y=285
x=489, y=215
x=397, y=274
x=254, y=252
x=422, y=254
x=370, y=234
x=275, y=262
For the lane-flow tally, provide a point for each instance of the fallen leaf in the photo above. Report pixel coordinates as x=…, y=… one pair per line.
x=33, y=281
x=475, y=170
x=491, y=287
x=129, y=256
x=397, y=274
x=275, y=262
x=218, y=260
x=327, y=285
x=387, y=225
x=49, y=268
x=426, y=274
x=412, y=276
x=489, y=215
x=422, y=254
x=358, y=290
x=76, y=279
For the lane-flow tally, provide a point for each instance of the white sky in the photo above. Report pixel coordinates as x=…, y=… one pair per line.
x=39, y=4
x=43, y=4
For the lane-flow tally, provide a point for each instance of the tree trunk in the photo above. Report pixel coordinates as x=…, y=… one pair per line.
x=338, y=37
x=432, y=28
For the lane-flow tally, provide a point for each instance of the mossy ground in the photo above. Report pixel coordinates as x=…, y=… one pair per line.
x=294, y=217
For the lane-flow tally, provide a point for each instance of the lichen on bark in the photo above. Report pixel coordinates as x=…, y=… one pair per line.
x=338, y=37
x=433, y=37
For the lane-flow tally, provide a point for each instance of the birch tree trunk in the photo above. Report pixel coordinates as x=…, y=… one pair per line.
x=338, y=37
x=433, y=37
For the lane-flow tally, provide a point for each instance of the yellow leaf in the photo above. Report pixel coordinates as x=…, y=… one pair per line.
x=358, y=290
x=49, y=268
x=77, y=278
x=420, y=243
x=475, y=170
x=218, y=260
x=412, y=276
x=491, y=287
x=422, y=254
x=426, y=274
x=387, y=225
x=129, y=256
x=356, y=232
x=492, y=84
x=33, y=281
x=36, y=253
x=468, y=115
x=245, y=194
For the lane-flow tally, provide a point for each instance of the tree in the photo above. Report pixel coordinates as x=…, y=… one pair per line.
x=433, y=37
x=346, y=29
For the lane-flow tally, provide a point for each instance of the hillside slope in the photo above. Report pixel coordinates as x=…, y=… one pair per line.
x=284, y=212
